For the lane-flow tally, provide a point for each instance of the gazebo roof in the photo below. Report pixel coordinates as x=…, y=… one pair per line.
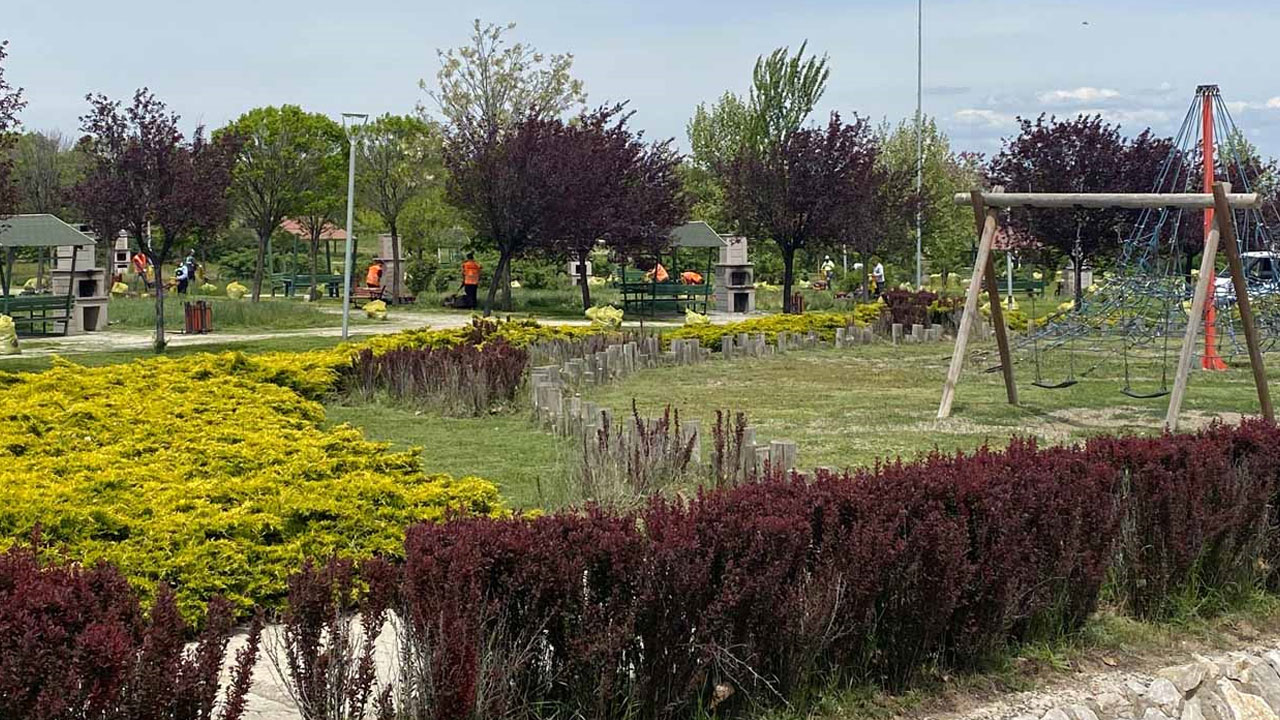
x=696, y=234
x=328, y=232
x=40, y=230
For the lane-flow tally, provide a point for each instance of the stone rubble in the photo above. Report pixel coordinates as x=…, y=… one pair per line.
x=1234, y=686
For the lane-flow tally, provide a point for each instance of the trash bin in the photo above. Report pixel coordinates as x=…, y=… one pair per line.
x=197, y=317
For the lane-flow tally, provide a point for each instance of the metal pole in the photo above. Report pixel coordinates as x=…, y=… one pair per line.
x=919, y=142
x=347, y=259
x=1008, y=274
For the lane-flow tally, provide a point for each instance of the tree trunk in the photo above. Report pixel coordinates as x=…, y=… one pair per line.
x=582, y=279
x=503, y=260
x=159, y=342
x=788, y=271
x=314, y=292
x=1078, y=268
x=257, y=267
x=395, y=264
x=506, y=287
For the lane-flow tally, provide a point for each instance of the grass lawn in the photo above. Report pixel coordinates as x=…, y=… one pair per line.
x=853, y=407
x=280, y=314
x=526, y=463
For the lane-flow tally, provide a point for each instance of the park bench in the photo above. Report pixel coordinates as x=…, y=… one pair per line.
x=332, y=283
x=279, y=281
x=31, y=311
x=366, y=294
x=1027, y=287
x=649, y=297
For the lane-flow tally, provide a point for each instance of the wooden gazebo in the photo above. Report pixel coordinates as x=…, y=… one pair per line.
x=58, y=246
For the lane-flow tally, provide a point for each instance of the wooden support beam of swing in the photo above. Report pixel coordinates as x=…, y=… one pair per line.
x=983, y=274
x=1194, y=320
x=1226, y=225
x=1196, y=201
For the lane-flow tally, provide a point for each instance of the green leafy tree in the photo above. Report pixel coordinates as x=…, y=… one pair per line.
x=322, y=203
x=283, y=155
x=400, y=158
x=716, y=133
x=785, y=89
x=483, y=90
x=45, y=167
x=947, y=229
x=486, y=87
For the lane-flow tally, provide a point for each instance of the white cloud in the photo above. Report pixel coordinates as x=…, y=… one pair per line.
x=1078, y=95
x=1238, y=106
x=978, y=116
x=1130, y=118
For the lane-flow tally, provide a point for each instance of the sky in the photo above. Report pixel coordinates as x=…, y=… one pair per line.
x=1137, y=62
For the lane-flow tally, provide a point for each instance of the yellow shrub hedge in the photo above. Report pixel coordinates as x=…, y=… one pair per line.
x=209, y=473
x=824, y=324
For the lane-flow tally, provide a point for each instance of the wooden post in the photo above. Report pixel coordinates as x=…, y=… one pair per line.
x=1193, y=327
x=1226, y=227
x=980, y=266
x=993, y=297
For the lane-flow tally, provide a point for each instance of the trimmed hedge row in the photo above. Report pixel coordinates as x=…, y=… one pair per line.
x=744, y=596
x=771, y=589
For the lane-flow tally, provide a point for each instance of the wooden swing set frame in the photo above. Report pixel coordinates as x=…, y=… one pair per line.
x=1218, y=204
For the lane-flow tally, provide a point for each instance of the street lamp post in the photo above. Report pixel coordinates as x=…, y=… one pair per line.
x=919, y=142
x=350, y=122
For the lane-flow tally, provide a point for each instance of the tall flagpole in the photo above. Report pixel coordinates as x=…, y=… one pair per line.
x=919, y=142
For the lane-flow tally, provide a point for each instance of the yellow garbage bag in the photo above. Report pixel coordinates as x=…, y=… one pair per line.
x=235, y=291
x=8, y=336
x=376, y=310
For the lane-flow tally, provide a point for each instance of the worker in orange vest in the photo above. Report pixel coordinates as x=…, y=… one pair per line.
x=140, y=267
x=373, y=279
x=470, y=279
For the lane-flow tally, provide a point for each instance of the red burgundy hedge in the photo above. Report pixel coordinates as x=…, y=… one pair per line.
x=777, y=587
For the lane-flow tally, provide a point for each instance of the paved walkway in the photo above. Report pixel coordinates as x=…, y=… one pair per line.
x=125, y=340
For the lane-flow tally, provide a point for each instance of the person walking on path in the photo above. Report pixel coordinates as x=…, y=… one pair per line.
x=470, y=279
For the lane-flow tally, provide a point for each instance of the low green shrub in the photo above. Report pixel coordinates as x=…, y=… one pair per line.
x=824, y=324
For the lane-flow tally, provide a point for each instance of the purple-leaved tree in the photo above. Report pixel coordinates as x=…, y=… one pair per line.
x=818, y=187
x=11, y=103
x=145, y=177
x=604, y=185
x=1083, y=155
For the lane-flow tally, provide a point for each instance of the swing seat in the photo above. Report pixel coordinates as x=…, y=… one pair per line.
x=993, y=369
x=1055, y=386
x=1144, y=396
